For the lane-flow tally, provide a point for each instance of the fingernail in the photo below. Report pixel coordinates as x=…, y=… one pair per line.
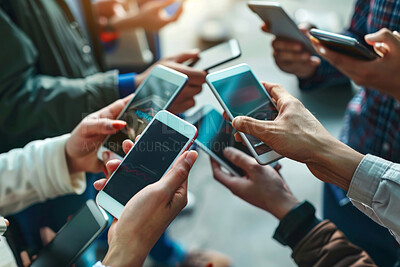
x=118, y=125
x=106, y=156
x=227, y=152
x=191, y=157
x=322, y=50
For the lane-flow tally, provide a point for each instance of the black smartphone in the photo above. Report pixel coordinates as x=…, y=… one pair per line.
x=344, y=44
x=217, y=55
x=73, y=238
x=216, y=134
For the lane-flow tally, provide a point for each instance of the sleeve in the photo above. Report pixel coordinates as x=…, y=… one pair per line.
x=99, y=264
x=325, y=245
x=326, y=74
x=126, y=84
x=33, y=104
x=375, y=190
x=36, y=173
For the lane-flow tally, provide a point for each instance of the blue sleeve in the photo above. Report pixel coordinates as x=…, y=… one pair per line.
x=126, y=84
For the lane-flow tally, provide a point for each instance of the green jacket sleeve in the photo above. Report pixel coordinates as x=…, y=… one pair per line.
x=34, y=106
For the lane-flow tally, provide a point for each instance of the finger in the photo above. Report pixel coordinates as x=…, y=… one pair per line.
x=179, y=107
x=99, y=184
x=195, y=76
x=284, y=45
x=228, y=180
x=127, y=145
x=137, y=138
x=93, y=126
x=113, y=110
x=239, y=158
x=112, y=165
x=225, y=116
x=47, y=235
x=191, y=54
x=383, y=36
x=257, y=128
x=292, y=56
x=266, y=27
x=276, y=91
x=180, y=171
x=239, y=138
x=26, y=261
x=7, y=222
x=163, y=4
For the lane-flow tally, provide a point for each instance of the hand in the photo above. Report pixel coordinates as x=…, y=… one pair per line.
x=147, y=215
x=151, y=17
x=292, y=57
x=185, y=99
x=381, y=74
x=262, y=186
x=298, y=135
x=106, y=9
x=88, y=136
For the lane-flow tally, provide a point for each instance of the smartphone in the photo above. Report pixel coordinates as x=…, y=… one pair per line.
x=73, y=238
x=241, y=94
x=156, y=93
x=216, y=134
x=282, y=26
x=156, y=150
x=344, y=44
x=217, y=55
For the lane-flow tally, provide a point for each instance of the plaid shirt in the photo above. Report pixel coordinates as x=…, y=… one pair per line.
x=372, y=119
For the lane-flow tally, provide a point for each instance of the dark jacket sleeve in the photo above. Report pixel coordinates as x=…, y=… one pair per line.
x=34, y=106
x=326, y=246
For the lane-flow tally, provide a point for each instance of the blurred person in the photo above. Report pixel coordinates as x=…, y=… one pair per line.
x=372, y=118
x=45, y=169
x=371, y=183
x=53, y=82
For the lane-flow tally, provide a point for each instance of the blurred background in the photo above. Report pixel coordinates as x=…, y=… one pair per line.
x=220, y=220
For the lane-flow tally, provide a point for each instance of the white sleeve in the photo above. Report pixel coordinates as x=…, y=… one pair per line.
x=35, y=173
x=375, y=190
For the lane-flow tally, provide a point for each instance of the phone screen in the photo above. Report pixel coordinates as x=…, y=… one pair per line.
x=216, y=134
x=244, y=96
x=69, y=240
x=153, y=96
x=214, y=56
x=147, y=161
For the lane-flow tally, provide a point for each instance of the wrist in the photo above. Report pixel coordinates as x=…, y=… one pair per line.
x=73, y=164
x=340, y=161
x=285, y=207
x=128, y=255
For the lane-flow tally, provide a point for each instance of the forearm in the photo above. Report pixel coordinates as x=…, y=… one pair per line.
x=336, y=162
x=129, y=256
x=35, y=173
x=125, y=23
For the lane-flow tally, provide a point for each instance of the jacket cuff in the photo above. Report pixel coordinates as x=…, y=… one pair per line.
x=64, y=182
x=126, y=84
x=366, y=179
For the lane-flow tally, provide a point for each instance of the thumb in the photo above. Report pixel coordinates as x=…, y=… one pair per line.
x=257, y=128
x=383, y=36
x=192, y=54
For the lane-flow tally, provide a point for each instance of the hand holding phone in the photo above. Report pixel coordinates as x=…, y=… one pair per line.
x=149, y=213
x=154, y=153
x=241, y=94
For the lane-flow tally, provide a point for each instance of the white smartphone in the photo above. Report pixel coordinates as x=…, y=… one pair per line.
x=217, y=55
x=281, y=24
x=241, y=94
x=73, y=238
x=154, y=153
x=216, y=134
x=156, y=93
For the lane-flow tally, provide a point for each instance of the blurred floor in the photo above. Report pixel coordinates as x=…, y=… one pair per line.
x=220, y=220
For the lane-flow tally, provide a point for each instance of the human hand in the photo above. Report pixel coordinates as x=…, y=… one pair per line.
x=381, y=73
x=298, y=135
x=151, y=16
x=262, y=186
x=88, y=136
x=185, y=99
x=147, y=215
x=292, y=57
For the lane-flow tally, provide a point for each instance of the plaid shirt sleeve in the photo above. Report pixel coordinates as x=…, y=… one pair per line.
x=326, y=74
